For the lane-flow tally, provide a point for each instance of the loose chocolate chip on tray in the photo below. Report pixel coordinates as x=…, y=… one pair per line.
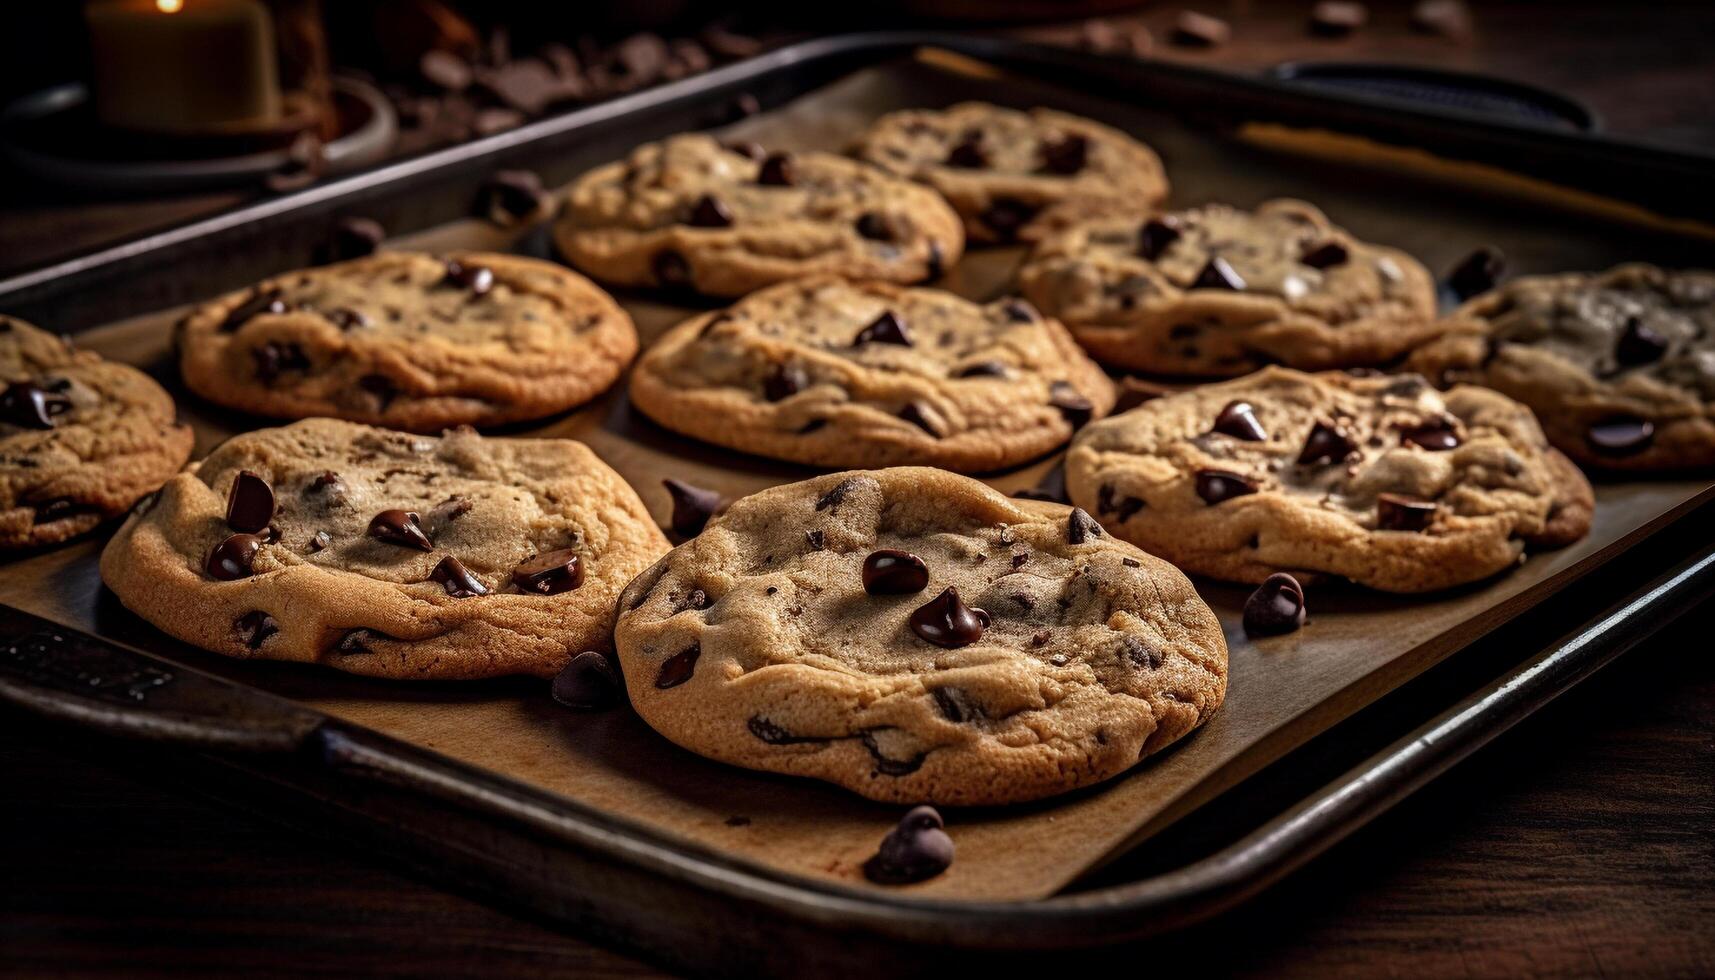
x=678, y=668
x=1217, y=274
x=1277, y=606
x=1638, y=344
x=509, y=196
x=891, y=572
x=1621, y=435
x=1337, y=18
x=1194, y=30
x=1081, y=527
x=1325, y=256
x=233, y=557
x=1156, y=235
x=709, y=212
x=1238, y=419
x=776, y=171
x=1219, y=486
x=257, y=303
x=947, y=622
x=1397, y=513
x=1076, y=409
x=456, y=579
x=30, y=406
x=887, y=328
x=692, y=507
x=1325, y=444
x=1476, y=273
x=250, y=503
x=916, y=850
x=550, y=573
x=400, y=527
x=587, y=683
x=1067, y=155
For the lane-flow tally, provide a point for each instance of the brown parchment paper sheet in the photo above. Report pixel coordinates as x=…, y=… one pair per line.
x=1282, y=691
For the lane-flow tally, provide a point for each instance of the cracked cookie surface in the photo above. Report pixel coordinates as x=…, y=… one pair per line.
x=1381, y=480
x=692, y=213
x=779, y=640
x=836, y=373
x=1216, y=291
x=387, y=554
x=1015, y=174
x=1618, y=365
x=81, y=438
x=410, y=341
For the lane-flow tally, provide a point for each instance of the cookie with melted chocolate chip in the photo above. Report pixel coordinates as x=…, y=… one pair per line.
x=1379, y=479
x=1016, y=176
x=689, y=213
x=1217, y=292
x=1619, y=365
x=410, y=341
x=388, y=554
x=81, y=438
x=1036, y=655
x=836, y=373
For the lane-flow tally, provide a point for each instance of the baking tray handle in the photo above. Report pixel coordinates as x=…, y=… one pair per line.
x=72, y=677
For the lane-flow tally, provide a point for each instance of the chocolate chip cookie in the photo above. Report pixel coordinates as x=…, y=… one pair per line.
x=388, y=554
x=1218, y=292
x=1619, y=365
x=1381, y=480
x=915, y=636
x=836, y=373
x=411, y=341
x=81, y=438
x=691, y=213
x=1017, y=175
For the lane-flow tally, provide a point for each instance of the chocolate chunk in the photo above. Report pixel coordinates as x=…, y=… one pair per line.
x=346, y=318
x=511, y=195
x=550, y=573
x=1325, y=256
x=983, y=369
x=1337, y=18
x=1639, y=344
x=31, y=407
x=1125, y=508
x=1219, y=486
x=1194, y=30
x=358, y=640
x=449, y=510
x=887, y=328
x=1397, y=513
x=697, y=599
x=671, y=269
x=232, y=557
x=400, y=527
x=328, y=482
x=777, y=171
x=353, y=238
x=258, y=303
x=747, y=149
x=1238, y=419
x=837, y=494
x=250, y=503
x=1217, y=274
x=875, y=227
x=918, y=416
x=887, y=766
x=1325, y=444
x=587, y=683
x=947, y=622
x=678, y=668
x=891, y=572
x=1140, y=654
x=272, y=359
x=1081, y=527
x=785, y=381
x=479, y=279
x=709, y=212
x=1076, y=409
x=969, y=154
x=957, y=705
x=318, y=541
x=59, y=509
x=445, y=70
x=815, y=540
x=1066, y=156
x=1007, y=215
x=1277, y=606
x=254, y=628
x=1156, y=235
x=1019, y=311
x=456, y=579
x=1476, y=273
x=692, y=507
x=916, y=850
x=1435, y=435
x=1621, y=435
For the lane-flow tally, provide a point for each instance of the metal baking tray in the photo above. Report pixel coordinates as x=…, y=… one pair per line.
x=653, y=866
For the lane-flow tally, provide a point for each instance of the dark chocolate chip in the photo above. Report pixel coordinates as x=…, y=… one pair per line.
x=697, y=599
x=1140, y=654
x=768, y=731
x=887, y=766
x=1081, y=527
x=777, y=171
x=479, y=279
x=709, y=212
x=671, y=269
x=1066, y=156
x=875, y=227
x=969, y=154
x=1156, y=235
x=587, y=683
x=692, y=507
x=983, y=369
x=232, y=558
x=1217, y=274
x=887, y=328
x=449, y=510
x=785, y=381
x=891, y=572
x=1325, y=444
x=250, y=503
x=1007, y=215
x=1019, y=311
x=678, y=668
x=400, y=527
x=31, y=407
x=550, y=573
x=1435, y=435
x=358, y=640
x=254, y=628
x=1277, y=606
x=1476, y=273
x=815, y=540
x=957, y=705
x=353, y=238
x=1621, y=435
x=456, y=579
x=915, y=414
x=1325, y=256
x=916, y=850
x=1128, y=508
x=837, y=494
x=258, y=303
x=59, y=509
x=937, y=261
x=274, y=358
x=1639, y=344
x=346, y=318
x=947, y=622
x=1219, y=486
x=318, y=541
x=327, y=481
x=1238, y=419
x=1396, y=513
x=1076, y=409
x=511, y=194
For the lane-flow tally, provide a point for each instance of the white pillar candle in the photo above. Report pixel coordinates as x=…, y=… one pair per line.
x=183, y=66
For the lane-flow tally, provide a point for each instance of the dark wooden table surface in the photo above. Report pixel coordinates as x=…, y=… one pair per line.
x=1580, y=844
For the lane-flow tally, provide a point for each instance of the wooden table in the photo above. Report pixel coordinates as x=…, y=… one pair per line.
x=1582, y=843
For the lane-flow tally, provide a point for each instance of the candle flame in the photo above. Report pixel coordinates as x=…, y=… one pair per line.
x=169, y=6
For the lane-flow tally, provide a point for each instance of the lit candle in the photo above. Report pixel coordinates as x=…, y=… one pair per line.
x=183, y=65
